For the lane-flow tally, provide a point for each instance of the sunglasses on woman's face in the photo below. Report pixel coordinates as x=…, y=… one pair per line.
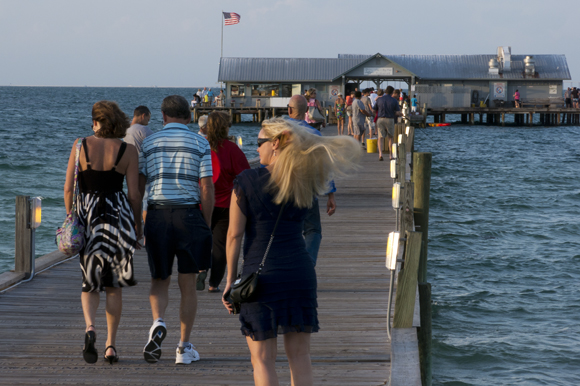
x=262, y=141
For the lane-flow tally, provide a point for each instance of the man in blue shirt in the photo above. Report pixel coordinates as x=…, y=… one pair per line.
x=388, y=109
x=312, y=230
x=414, y=103
x=176, y=163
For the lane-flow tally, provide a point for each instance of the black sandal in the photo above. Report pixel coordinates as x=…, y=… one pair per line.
x=89, y=351
x=111, y=358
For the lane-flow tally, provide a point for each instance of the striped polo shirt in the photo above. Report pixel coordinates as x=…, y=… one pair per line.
x=174, y=160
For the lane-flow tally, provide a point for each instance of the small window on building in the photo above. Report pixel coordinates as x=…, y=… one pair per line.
x=286, y=90
x=238, y=90
x=265, y=90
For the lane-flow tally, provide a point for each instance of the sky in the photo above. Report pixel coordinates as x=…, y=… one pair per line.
x=176, y=43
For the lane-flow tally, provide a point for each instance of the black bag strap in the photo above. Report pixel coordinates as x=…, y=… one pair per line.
x=271, y=239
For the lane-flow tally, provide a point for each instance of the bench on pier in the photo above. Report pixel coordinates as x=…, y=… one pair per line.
x=543, y=102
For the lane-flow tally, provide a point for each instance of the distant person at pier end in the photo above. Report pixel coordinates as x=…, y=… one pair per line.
x=359, y=113
x=229, y=160
x=568, y=98
x=575, y=94
x=340, y=110
x=414, y=103
x=388, y=110
x=298, y=166
x=313, y=102
x=196, y=100
x=349, y=99
x=517, y=99
x=136, y=133
x=366, y=100
x=177, y=165
x=312, y=228
x=112, y=221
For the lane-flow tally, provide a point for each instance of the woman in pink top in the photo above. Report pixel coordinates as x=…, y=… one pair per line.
x=517, y=99
x=312, y=102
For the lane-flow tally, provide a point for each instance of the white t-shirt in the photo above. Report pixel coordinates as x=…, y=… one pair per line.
x=136, y=134
x=373, y=97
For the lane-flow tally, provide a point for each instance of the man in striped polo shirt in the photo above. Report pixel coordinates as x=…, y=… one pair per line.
x=176, y=163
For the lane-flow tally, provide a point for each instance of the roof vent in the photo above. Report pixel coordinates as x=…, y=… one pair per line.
x=504, y=57
x=493, y=66
x=529, y=65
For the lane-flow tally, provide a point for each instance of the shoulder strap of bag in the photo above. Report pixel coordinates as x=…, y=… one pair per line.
x=271, y=239
x=75, y=187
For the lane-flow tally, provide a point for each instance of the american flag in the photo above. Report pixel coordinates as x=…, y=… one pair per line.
x=231, y=18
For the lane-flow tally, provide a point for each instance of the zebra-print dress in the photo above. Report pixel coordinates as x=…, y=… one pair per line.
x=102, y=206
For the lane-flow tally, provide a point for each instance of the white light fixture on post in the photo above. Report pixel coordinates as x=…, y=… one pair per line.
x=392, y=250
x=400, y=141
x=35, y=212
x=394, y=150
x=407, y=130
x=393, y=169
x=396, y=195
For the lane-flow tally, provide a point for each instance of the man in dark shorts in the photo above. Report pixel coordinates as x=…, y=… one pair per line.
x=176, y=163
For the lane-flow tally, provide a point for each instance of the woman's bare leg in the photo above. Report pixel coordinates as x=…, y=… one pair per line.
x=113, y=308
x=297, y=346
x=264, y=361
x=90, y=303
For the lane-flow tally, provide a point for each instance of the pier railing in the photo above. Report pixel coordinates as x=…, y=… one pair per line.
x=411, y=332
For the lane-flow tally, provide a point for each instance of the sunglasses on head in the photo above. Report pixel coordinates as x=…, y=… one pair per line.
x=262, y=141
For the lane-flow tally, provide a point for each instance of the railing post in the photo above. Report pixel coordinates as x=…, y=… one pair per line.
x=422, y=182
x=24, y=246
x=424, y=333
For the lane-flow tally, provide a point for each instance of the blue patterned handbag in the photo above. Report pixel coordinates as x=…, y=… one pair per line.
x=70, y=237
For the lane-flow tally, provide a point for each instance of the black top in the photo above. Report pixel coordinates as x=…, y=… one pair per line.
x=101, y=181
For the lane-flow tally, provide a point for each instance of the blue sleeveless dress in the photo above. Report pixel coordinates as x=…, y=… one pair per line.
x=286, y=296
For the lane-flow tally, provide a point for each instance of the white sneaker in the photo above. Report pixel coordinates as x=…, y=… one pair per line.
x=186, y=355
x=152, y=350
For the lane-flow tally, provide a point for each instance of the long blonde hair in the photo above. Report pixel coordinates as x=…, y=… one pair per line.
x=307, y=162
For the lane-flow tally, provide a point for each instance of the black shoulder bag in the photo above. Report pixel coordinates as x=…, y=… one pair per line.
x=244, y=289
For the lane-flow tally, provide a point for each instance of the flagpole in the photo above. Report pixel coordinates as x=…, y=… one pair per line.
x=222, y=21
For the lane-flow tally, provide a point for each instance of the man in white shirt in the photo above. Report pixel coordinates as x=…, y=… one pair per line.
x=135, y=135
x=373, y=97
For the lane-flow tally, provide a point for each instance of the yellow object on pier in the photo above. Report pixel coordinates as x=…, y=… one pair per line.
x=372, y=145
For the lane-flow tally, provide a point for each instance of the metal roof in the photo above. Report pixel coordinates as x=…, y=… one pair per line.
x=282, y=69
x=465, y=67
x=477, y=66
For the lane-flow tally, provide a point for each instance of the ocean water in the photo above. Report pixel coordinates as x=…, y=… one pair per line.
x=504, y=254
x=38, y=126
x=504, y=245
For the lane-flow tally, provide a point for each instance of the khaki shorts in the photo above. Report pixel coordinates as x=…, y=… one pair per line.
x=386, y=126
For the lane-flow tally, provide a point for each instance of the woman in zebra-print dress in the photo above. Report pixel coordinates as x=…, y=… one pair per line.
x=112, y=221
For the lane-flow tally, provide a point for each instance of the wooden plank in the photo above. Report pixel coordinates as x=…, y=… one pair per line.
x=404, y=358
x=407, y=282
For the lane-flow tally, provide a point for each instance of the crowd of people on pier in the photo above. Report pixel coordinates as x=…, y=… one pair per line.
x=206, y=98
x=192, y=196
x=571, y=96
x=375, y=111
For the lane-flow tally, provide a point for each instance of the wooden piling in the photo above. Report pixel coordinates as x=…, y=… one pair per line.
x=407, y=282
x=425, y=334
x=422, y=185
x=24, y=237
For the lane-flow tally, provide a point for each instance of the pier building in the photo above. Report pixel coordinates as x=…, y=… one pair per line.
x=441, y=81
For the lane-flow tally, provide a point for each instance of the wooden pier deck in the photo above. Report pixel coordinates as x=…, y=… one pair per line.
x=42, y=326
